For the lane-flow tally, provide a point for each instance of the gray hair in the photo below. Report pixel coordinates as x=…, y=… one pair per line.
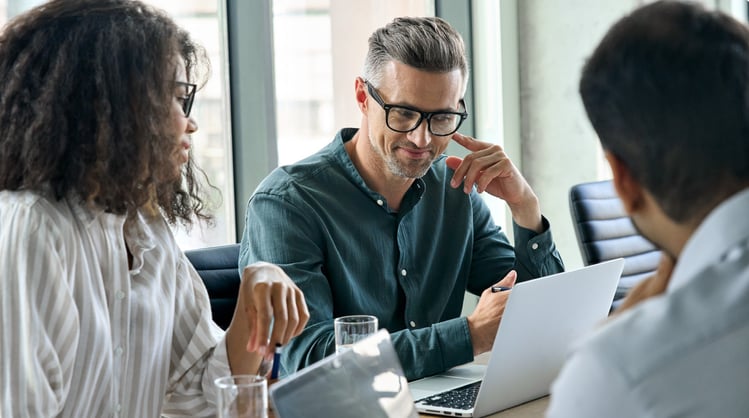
x=426, y=43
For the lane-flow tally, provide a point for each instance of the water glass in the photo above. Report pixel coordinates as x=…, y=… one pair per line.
x=352, y=328
x=242, y=396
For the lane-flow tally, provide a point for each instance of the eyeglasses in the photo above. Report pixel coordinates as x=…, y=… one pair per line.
x=406, y=119
x=187, y=100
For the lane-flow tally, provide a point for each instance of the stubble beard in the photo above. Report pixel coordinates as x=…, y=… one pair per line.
x=414, y=170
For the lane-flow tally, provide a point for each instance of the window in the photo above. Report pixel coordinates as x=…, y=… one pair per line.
x=319, y=49
x=212, y=143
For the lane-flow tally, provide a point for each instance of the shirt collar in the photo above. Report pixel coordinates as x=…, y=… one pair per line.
x=343, y=159
x=721, y=231
x=136, y=230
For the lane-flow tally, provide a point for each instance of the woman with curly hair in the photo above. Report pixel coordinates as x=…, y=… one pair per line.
x=101, y=312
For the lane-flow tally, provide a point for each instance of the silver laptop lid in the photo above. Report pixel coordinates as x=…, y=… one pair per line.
x=542, y=321
x=366, y=381
x=543, y=318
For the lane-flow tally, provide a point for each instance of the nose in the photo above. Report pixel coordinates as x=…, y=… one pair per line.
x=192, y=125
x=421, y=137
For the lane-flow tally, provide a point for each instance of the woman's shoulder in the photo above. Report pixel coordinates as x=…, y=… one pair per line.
x=28, y=204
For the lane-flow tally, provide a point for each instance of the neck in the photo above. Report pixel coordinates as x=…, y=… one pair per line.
x=372, y=169
x=654, y=224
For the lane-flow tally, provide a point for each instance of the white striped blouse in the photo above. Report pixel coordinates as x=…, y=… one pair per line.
x=82, y=334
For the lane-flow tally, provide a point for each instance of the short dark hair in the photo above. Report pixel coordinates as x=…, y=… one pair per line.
x=667, y=91
x=87, y=90
x=427, y=43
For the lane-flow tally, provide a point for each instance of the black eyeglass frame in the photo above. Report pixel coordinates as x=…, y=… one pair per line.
x=422, y=115
x=189, y=98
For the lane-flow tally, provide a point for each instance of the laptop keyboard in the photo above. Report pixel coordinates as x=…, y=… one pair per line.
x=463, y=397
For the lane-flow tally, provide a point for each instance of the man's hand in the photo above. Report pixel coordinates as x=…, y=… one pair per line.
x=491, y=170
x=484, y=321
x=266, y=294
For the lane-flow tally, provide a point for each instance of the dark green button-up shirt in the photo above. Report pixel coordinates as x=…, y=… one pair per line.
x=351, y=254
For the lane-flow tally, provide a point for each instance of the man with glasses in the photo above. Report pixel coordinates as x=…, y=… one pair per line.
x=380, y=222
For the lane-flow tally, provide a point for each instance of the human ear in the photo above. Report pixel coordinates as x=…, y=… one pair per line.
x=627, y=187
x=360, y=89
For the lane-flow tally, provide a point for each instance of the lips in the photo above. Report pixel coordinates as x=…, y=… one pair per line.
x=416, y=154
x=184, y=150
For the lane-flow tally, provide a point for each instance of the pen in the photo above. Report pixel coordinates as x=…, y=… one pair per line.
x=496, y=289
x=276, y=362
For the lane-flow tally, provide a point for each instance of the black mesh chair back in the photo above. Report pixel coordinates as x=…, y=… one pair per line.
x=604, y=232
x=217, y=267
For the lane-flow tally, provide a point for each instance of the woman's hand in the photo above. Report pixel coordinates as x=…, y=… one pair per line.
x=270, y=310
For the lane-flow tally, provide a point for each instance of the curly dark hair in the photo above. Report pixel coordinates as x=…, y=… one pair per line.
x=85, y=107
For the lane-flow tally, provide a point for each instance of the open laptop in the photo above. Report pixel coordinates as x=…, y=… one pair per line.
x=365, y=381
x=541, y=321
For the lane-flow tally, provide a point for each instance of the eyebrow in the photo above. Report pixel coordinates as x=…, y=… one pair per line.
x=414, y=108
x=448, y=110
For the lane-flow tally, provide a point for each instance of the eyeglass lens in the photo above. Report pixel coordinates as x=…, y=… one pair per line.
x=188, y=97
x=404, y=120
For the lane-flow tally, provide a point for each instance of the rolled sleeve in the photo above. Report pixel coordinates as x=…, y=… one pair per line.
x=454, y=338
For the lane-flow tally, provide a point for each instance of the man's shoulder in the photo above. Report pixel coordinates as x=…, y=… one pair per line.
x=627, y=341
x=314, y=170
x=663, y=332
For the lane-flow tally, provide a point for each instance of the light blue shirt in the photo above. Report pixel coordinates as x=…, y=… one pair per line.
x=351, y=254
x=682, y=354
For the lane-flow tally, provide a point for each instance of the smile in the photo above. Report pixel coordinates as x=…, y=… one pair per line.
x=416, y=153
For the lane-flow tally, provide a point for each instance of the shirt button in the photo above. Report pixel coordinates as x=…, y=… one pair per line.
x=118, y=351
x=534, y=246
x=119, y=294
x=380, y=202
x=404, y=273
x=413, y=324
x=117, y=408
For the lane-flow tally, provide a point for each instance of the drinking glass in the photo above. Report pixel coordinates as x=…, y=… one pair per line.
x=352, y=328
x=242, y=396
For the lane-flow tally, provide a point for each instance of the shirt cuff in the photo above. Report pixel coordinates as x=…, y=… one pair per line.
x=455, y=342
x=536, y=245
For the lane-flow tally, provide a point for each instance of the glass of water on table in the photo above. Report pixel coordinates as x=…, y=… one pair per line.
x=242, y=396
x=352, y=328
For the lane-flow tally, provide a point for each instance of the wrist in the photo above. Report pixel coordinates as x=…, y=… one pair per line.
x=528, y=214
x=475, y=334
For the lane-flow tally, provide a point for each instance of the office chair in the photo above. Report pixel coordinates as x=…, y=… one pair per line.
x=217, y=267
x=604, y=232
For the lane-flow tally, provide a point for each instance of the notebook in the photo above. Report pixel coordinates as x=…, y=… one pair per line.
x=365, y=381
x=542, y=319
